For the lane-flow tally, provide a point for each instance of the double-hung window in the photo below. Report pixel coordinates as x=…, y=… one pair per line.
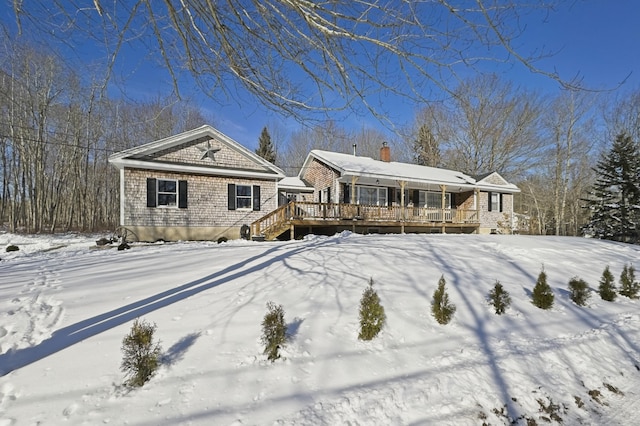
x=244, y=197
x=166, y=193
x=495, y=202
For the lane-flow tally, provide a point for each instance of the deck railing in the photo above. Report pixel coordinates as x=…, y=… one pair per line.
x=279, y=219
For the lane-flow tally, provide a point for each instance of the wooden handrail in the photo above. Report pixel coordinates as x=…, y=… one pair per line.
x=300, y=210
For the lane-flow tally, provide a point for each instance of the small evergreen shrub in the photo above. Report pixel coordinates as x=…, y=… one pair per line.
x=607, y=287
x=274, y=331
x=499, y=298
x=12, y=247
x=372, y=316
x=579, y=291
x=441, y=308
x=629, y=287
x=542, y=296
x=141, y=355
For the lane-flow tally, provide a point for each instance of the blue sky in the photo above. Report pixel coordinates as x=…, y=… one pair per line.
x=595, y=39
x=598, y=40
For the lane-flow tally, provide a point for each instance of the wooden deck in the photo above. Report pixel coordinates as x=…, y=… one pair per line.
x=303, y=217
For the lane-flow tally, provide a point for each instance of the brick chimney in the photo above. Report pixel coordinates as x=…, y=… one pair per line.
x=385, y=153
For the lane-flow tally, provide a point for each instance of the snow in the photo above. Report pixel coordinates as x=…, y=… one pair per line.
x=365, y=166
x=65, y=308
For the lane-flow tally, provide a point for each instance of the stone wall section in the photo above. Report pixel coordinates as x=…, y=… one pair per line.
x=207, y=201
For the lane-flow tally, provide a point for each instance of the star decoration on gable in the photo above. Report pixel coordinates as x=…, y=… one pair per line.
x=208, y=152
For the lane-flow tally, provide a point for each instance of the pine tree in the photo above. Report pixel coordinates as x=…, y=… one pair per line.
x=629, y=287
x=615, y=196
x=542, y=295
x=607, y=287
x=426, y=148
x=441, y=308
x=274, y=331
x=372, y=316
x=141, y=355
x=499, y=298
x=265, y=147
x=579, y=291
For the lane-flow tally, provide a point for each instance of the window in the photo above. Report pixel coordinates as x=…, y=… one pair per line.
x=371, y=195
x=244, y=197
x=433, y=200
x=166, y=193
x=495, y=202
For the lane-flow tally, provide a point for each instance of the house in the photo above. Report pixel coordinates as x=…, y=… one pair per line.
x=202, y=185
x=348, y=192
x=197, y=185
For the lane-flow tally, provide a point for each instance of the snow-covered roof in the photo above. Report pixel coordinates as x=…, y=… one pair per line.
x=352, y=165
x=294, y=183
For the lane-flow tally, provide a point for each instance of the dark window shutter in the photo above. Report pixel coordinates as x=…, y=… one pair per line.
x=453, y=200
x=489, y=203
x=256, y=197
x=328, y=194
x=347, y=197
x=182, y=194
x=390, y=195
x=500, y=202
x=151, y=192
x=416, y=197
x=232, y=196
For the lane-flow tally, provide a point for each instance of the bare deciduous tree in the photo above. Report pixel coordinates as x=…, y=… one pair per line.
x=297, y=56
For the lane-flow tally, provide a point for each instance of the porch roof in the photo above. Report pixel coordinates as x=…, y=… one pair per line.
x=351, y=165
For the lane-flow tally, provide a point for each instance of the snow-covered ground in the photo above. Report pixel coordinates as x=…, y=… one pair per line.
x=65, y=308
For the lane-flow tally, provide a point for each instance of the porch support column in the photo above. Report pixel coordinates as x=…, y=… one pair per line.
x=476, y=206
x=353, y=189
x=292, y=232
x=403, y=212
x=443, y=188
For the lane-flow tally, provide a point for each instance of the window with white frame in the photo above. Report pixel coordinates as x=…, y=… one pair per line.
x=243, y=197
x=433, y=200
x=494, y=202
x=371, y=195
x=167, y=192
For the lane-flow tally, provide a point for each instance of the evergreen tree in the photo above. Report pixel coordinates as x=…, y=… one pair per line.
x=615, y=196
x=629, y=287
x=372, y=316
x=426, y=148
x=542, y=295
x=265, y=147
x=607, y=287
x=141, y=354
x=441, y=308
x=499, y=298
x=579, y=291
x=274, y=331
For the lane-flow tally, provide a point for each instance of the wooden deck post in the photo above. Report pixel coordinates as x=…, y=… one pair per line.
x=292, y=232
x=403, y=210
x=443, y=188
